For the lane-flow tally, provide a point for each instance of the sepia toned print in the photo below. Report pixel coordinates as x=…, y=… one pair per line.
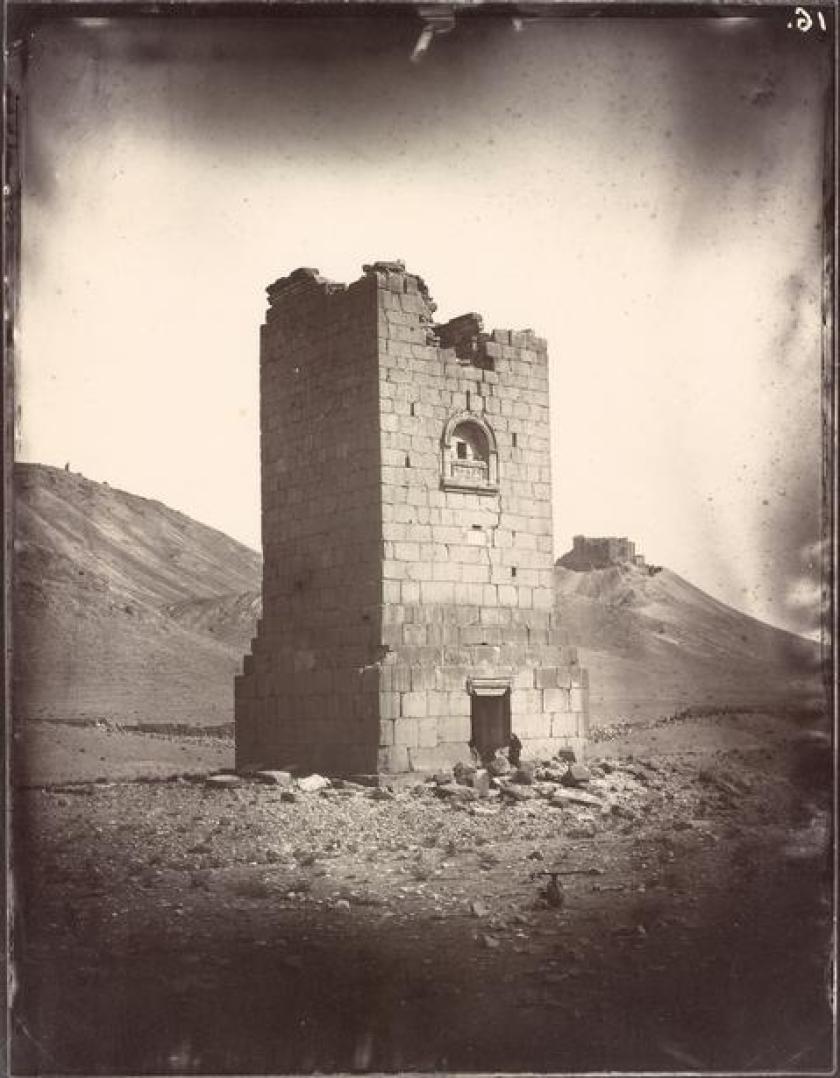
x=421, y=662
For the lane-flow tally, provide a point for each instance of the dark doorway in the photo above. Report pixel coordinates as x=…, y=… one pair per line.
x=490, y=722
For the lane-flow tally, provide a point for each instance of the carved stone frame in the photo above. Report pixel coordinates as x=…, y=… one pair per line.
x=450, y=481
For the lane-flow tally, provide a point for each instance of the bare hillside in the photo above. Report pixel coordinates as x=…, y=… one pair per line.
x=655, y=644
x=102, y=581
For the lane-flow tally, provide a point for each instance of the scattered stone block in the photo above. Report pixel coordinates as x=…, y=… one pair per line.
x=561, y=798
x=463, y=773
x=312, y=783
x=499, y=765
x=456, y=792
x=576, y=775
x=550, y=774
x=223, y=782
x=584, y=830
x=518, y=793
x=275, y=778
x=380, y=793
x=524, y=775
x=481, y=782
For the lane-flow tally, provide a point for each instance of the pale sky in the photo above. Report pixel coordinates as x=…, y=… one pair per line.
x=646, y=194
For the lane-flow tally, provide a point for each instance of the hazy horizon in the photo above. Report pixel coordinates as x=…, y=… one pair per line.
x=645, y=193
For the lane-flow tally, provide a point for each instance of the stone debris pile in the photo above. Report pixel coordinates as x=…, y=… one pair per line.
x=600, y=793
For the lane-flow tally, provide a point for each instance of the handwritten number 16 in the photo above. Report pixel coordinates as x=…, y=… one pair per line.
x=804, y=22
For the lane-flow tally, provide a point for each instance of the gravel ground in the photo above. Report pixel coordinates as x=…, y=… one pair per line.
x=182, y=927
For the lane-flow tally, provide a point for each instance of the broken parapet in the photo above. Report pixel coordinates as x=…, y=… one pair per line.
x=465, y=334
x=466, y=337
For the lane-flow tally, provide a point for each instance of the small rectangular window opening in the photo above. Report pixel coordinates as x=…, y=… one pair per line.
x=513, y=570
x=514, y=441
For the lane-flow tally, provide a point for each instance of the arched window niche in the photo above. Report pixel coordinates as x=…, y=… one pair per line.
x=469, y=460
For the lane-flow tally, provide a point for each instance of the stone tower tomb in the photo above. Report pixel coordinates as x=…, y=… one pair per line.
x=407, y=538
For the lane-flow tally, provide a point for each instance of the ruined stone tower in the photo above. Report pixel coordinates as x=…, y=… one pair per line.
x=406, y=520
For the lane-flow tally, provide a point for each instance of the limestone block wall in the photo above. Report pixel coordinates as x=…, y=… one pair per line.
x=308, y=692
x=467, y=573
x=407, y=535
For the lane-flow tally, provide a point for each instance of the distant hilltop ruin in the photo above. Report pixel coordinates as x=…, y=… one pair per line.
x=601, y=553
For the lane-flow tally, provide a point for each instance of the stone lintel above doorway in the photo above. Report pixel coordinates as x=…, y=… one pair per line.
x=488, y=686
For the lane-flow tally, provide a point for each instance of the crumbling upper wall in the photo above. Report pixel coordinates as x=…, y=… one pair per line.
x=466, y=337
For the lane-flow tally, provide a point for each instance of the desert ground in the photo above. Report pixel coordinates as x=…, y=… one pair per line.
x=171, y=923
x=171, y=918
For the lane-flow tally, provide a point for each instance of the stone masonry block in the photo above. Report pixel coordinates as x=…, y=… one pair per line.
x=540, y=748
x=396, y=678
x=414, y=704
x=524, y=678
x=438, y=703
x=458, y=704
x=437, y=591
x=486, y=655
x=427, y=733
x=410, y=591
x=406, y=732
x=441, y=758
x=422, y=678
x=393, y=760
x=526, y=702
x=563, y=724
x=556, y=700
x=454, y=727
x=534, y=724
x=389, y=705
x=452, y=678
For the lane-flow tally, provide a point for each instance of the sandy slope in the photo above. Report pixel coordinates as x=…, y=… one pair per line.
x=98, y=575
x=655, y=644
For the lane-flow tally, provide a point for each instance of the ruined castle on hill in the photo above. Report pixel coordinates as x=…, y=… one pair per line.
x=600, y=553
x=408, y=600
